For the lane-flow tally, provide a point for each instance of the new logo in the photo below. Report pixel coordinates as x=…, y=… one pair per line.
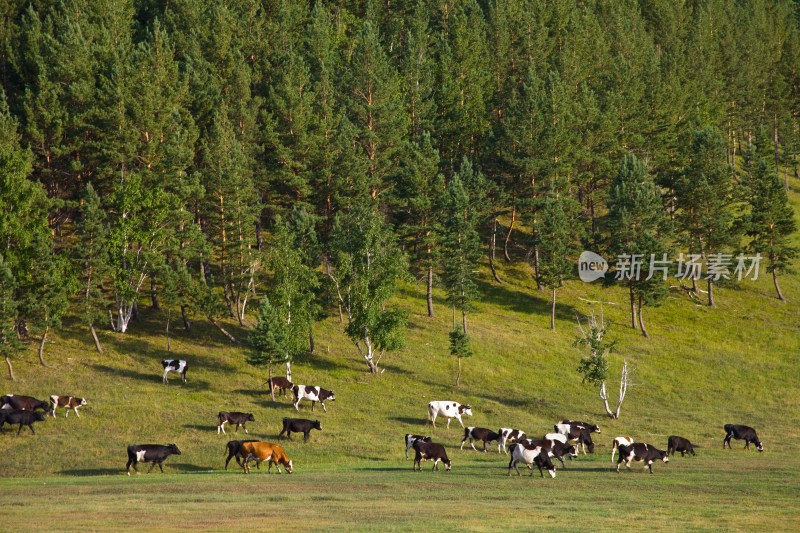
x=591, y=266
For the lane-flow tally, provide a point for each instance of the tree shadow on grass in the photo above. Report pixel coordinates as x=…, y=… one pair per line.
x=151, y=378
x=535, y=302
x=396, y=370
x=201, y=427
x=93, y=472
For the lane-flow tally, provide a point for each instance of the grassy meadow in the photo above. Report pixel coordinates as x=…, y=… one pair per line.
x=701, y=368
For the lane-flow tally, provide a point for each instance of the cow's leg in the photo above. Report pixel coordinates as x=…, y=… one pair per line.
x=151, y=467
x=165, y=376
x=325, y=409
x=305, y=435
x=221, y=426
x=312, y=405
x=448, y=422
x=296, y=408
x=435, y=465
x=432, y=416
x=245, y=429
x=183, y=375
x=458, y=417
x=484, y=446
x=650, y=466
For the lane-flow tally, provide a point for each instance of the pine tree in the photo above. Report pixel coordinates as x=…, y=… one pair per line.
x=770, y=222
x=639, y=231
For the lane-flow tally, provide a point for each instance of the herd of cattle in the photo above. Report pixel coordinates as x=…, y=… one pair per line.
x=567, y=435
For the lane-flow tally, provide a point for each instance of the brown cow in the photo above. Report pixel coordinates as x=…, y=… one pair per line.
x=266, y=451
x=67, y=402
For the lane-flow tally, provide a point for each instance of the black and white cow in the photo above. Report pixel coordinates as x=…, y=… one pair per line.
x=23, y=418
x=556, y=448
x=639, y=451
x=16, y=402
x=509, y=436
x=430, y=451
x=299, y=425
x=315, y=394
x=741, y=432
x=175, y=365
x=67, y=402
x=679, y=444
x=234, y=449
x=473, y=433
x=410, y=439
x=580, y=432
x=234, y=417
x=149, y=453
x=448, y=409
x=530, y=454
x=619, y=441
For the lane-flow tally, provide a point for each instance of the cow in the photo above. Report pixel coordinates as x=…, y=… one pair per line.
x=234, y=449
x=557, y=448
x=579, y=432
x=538, y=455
x=679, y=444
x=23, y=418
x=742, y=432
x=67, y=402
x=430, y=451
x=617, y=442
x=481, y=434
x=279, y=384
x=234, y=417
x=315, y=394
x=639, y=451
x=266, y=451
x=15, y=402
x=508, y=436
x=410, y=439
x=175, y=365
x=149, y=453
x=448, y=409
x=299, y=425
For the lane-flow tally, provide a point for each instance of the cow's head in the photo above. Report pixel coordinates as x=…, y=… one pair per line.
x=38, y=416
x=664, y=456
x=250, y=417
x=289, y=467
x=447, y=464
x=328, y=396
x=81, y=401
x=465, y=410
x=759, y=445
x=571, y=451
x=173, y=449
x=316, y=425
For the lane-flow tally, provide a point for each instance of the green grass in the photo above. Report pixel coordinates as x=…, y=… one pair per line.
x=702, y=368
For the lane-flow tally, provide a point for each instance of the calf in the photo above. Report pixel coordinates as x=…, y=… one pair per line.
x=639, y=451
x=23, y=418
x=509, y=436
x=534, y=455
x=619, y=441
x=266, y=451
x=448, y=409
x=315, y=394
x=15, y=402
x=482, y=434
x=410, y=439
x=234, y=417
x=149, y=453
x=234, y=449
x=175, y=365
x=430, y=451
x=741, y=432
x=299, y=425
x=679, y=444
x=279, y=385
x=67, y=402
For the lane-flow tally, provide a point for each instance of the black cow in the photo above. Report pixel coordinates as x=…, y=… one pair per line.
x=299, y=425
x=15, y=402
x=679, y=444
x=149, y=453
x=480, y=434
x=639, y=451
x=234, y=417
x=410, y=439
x=741, y=432
x=234, y=448
x=23, y=418
x=279, y=384
x=430, y=451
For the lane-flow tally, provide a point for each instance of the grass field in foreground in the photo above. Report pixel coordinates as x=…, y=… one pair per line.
x=730, y=490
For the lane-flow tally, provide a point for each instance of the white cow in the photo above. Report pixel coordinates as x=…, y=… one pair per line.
x=448, y=409
x=529, y=456
x=508, y=436
x=619, y=441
